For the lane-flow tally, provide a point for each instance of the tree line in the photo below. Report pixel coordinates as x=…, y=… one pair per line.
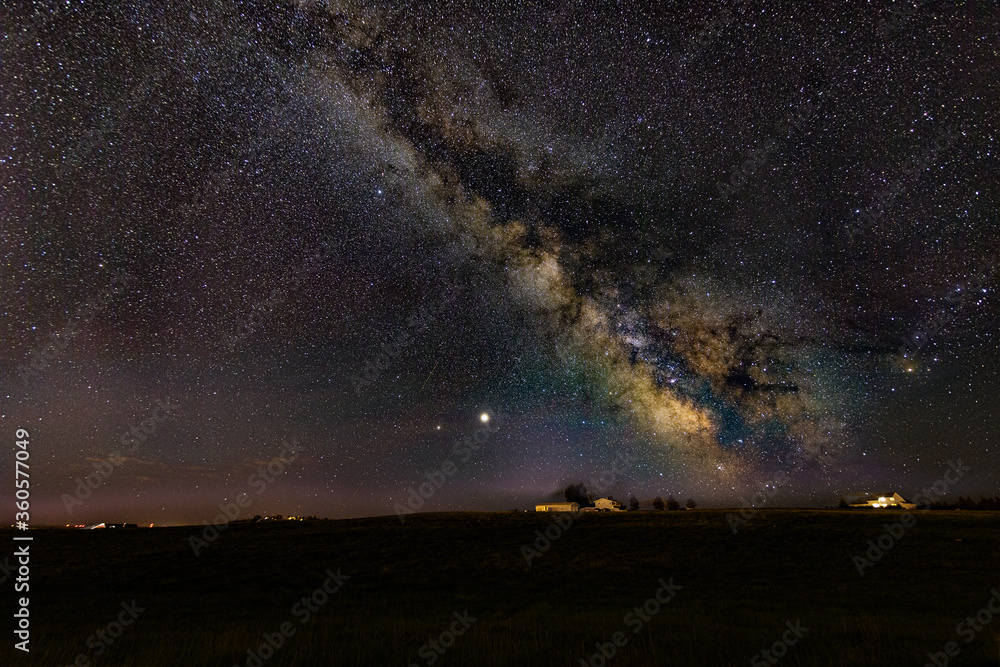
x=577, y=493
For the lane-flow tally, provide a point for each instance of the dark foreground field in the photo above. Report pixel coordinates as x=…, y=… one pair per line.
x=406, y=583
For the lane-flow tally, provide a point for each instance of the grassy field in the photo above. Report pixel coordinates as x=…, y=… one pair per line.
x=405, y=584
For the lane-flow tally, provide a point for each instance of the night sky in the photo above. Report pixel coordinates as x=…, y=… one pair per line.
x=701, y=239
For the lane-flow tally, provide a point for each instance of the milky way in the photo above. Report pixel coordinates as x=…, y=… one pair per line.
x=706, y=237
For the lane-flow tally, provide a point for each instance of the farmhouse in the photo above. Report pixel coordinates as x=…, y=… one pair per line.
x=608, y=505
x=557, y=507
x=880, y=500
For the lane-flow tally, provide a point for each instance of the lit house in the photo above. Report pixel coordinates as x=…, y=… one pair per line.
x=880, y=500
x=557, y=507
x=608, y=505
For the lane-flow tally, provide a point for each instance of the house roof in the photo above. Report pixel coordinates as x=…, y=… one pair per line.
x=865, y=497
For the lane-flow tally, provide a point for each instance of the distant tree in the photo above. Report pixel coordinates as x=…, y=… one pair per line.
x=577, y=493
x=842, y=504
x=658, y=503
x=672, y=503
x=633, y=503
x=690, y=504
